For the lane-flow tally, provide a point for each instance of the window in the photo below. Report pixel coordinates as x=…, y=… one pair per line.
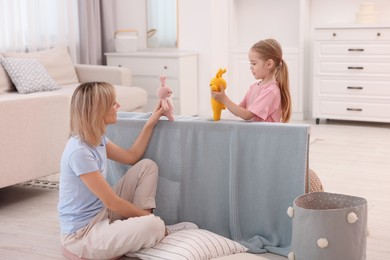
x=32, y=25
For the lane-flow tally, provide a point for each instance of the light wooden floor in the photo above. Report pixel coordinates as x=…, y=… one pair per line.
x=350, y=158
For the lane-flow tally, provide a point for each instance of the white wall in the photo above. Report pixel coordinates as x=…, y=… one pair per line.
x=216, y=29
x=261, y=19
x=202, y=28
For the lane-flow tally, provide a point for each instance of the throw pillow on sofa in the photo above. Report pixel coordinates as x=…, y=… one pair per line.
x=56, y=61
x=5, y=82
x=28, y=75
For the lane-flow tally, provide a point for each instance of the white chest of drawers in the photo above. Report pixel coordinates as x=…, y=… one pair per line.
x=351, y=73
x=180, y=68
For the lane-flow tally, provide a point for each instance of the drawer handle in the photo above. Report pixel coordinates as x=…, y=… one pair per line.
x=165, y=67
x=353, y=87
x=378, y=34
x=354, y=109
x=355, y=68
x=119, y=65
x=334, y=34
x=355, y=49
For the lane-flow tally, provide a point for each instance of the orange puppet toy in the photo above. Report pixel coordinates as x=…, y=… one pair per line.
x=216, y=84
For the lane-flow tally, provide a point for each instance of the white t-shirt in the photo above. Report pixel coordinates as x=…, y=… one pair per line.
x=77, y=204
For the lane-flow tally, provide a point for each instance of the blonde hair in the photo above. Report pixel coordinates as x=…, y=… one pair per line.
x=271, y=49
x=90, y=103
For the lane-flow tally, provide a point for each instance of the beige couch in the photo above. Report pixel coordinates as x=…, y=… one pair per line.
x=34, y=127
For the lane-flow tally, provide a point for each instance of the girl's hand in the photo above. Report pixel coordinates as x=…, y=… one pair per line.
x=219, y=96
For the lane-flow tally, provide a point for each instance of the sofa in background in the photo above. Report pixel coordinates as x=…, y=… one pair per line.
x=232, y=177
x=34, y=127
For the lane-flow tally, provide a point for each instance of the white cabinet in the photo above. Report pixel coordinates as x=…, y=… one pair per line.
x=180, y=68
x=351, y=73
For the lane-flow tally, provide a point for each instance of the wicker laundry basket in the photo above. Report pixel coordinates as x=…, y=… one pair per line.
x=315, y=184
x=328, y=226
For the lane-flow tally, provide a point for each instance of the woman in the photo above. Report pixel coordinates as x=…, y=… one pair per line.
x=98, y=222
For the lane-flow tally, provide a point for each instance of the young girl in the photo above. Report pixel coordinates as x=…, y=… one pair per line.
x=98, y=222
x=268, y=99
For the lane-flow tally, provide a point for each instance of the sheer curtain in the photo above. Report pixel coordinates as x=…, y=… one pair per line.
x=32, y=25
x=97, y=21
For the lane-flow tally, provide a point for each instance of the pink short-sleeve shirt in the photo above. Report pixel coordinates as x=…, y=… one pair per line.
x=264, y=101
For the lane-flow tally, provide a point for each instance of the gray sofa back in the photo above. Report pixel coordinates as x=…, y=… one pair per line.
x=231, y=177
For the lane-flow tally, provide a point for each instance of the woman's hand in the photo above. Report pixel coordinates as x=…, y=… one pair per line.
x=101, y=189
x=137, y=150
x=156, y=114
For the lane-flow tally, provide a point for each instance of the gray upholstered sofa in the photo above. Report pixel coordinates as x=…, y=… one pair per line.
x=34, y=127
x=231, y=177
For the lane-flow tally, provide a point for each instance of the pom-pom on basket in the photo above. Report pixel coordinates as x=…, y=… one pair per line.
x=328, y=226
x=126, y=40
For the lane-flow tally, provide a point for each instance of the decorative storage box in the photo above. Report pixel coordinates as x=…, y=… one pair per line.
x=367, y=13
x=328, y=226
x=126, y=40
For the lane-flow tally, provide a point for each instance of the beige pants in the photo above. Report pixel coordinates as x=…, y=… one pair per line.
x=108, y=235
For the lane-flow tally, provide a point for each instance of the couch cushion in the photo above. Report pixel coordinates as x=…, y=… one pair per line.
x=56, y=61
x=129, y=98
x=28, y=75
x=5, y=81
x=191, y=244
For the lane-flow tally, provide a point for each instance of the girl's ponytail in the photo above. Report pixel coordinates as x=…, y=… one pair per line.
x=284, y=86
